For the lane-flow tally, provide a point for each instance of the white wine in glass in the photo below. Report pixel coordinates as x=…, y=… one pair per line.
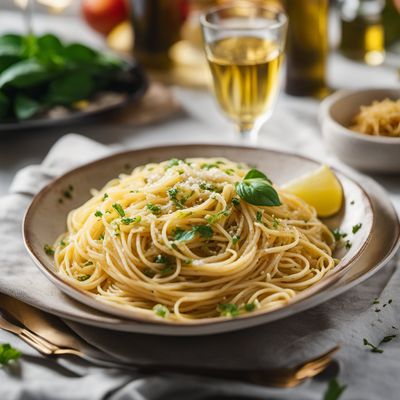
x=244, y=46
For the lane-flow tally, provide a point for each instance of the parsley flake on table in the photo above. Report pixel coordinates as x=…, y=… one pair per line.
x=373, y=348
x=8, y=354
x=334, y=390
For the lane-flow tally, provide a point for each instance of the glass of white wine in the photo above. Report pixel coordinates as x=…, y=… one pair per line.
x=244, y=44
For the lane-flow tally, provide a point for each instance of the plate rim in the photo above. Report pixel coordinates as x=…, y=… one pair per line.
x=57, y=280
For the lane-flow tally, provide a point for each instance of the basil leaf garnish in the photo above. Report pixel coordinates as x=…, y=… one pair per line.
x=256, y=174
x=257, y=189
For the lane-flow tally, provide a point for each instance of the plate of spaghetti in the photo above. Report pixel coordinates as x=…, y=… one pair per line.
x=193, y=235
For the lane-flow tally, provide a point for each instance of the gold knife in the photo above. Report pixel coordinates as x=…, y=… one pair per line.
x=45, y=325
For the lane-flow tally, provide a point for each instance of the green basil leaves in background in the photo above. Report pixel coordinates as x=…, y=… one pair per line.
x=38, y=72
x=257, y=189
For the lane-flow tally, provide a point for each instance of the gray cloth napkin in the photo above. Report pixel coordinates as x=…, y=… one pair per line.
x=345, y=320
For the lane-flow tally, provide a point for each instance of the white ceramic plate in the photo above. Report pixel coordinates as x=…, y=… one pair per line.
x=281, y=167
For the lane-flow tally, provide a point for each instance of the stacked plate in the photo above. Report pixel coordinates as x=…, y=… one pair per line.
x=365, y=201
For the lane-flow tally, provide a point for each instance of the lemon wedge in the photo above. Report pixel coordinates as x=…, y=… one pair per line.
x=319, y=188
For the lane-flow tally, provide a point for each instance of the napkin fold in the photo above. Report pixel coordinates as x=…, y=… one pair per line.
x=345, y=320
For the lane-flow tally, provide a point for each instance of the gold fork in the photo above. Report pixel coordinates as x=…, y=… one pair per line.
x=283, y=377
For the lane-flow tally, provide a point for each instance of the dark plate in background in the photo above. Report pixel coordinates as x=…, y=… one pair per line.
x=126, y=92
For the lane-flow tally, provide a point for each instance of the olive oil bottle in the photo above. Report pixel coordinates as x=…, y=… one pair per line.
x=363, y=36
x=307, y=47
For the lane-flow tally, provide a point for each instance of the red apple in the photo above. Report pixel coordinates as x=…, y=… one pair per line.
x=104, y=15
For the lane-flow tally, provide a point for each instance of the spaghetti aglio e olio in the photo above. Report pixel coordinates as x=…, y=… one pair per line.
x=183, y=240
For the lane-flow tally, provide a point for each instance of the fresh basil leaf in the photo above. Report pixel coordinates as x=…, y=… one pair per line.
x=30, y=47
x=256, y=174
x=79, y=53
x=24, y=73
x=334, y=390
x=7, y=59
x=66, y=89
x=258, y=192
x=25, y=107
x=11, y=40
x=8, y=354
x=50, y=49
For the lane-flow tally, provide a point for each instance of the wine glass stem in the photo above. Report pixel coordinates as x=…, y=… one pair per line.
x=28, y=14
x=248, y=132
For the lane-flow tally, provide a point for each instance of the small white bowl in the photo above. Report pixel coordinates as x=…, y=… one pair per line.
x=363, y=152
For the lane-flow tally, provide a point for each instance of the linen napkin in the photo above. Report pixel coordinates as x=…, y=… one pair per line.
x=345, y=320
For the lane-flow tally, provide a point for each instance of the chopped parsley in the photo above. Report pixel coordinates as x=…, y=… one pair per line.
x=388, y=338
x=229, y=171
x=149, y=272
x=209, y=166
x=275, y=222
x=373, y=348
x=228, y=310
x=128, y=221
x=207, y=186
x=235, y=239
x=8, y=354
x=249, y=307
x=236, y=202
x=172, y=163
x=172, y=193
x=118, y=208
x=216, y=217
x=338, y=235
x=348, y=244
x=83, y=278
x=49, y=250
x=161, y=311
x=204, y=231
x=376, y=301
x=162, y=259
x=63, y=243
x=153, y=208
x=356, y=227
x=334, y=390
x=167, y=270
x=101, y=237
x=98, y=213
x=259, y=216
x=105, y=196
